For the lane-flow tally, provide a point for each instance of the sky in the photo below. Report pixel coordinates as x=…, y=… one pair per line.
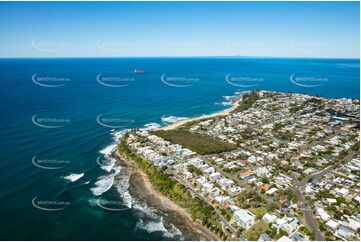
x=153, y=29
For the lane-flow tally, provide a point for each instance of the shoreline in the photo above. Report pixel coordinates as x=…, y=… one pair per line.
x=141, y=187
x=225, y=112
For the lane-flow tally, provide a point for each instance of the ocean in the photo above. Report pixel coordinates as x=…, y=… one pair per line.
x=60, y=118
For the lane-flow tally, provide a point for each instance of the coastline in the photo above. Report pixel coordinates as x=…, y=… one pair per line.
x=220, y=113
x=142, y=188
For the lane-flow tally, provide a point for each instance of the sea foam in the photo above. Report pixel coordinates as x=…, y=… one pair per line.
x=172, y=119
x=72, y=177
x=152, y=126
x=159, y=226
x=102, y=185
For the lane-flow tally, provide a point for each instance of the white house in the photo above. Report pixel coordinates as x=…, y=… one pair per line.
x=269, y=218
x=332, y=224
x=271, y=191
x=196, y=162
x=323, y=214
x=215, y=176
x=342, y=192
x=244, y=218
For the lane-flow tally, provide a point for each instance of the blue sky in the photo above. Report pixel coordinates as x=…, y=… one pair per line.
x=142, y=29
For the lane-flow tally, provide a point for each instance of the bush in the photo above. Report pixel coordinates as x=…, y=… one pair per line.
x=200, y=143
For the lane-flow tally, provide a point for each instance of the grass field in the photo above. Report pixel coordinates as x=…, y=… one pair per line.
x=200, y=143
x=260, y=211
x=256, y=230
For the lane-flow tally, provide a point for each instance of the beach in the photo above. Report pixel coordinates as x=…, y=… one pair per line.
x=199, y=118
x=141, y=188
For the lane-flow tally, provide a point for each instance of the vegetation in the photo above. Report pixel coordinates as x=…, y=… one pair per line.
x=200, y=143
x=259, y=212
x=248, y=100
x=256, y=230
x=194, y=170
x=356, y=146
x=306, y=231
x=227, y=214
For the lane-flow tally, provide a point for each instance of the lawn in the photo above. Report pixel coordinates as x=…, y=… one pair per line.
x=256, y=230
x=200, y=143
x=259, y=212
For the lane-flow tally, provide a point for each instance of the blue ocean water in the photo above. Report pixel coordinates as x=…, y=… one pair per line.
x=59, y=117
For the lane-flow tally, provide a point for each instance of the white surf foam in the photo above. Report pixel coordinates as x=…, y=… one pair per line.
x=119, y=134
x=102, y=185
x=111, y=147
x=105, y=182
x=108, y=149
x=72, y=177
x=152, y=126
x=158, y=226
x=173, y=231
x=224, y=104
x=172, y=119
x=122, y=185
x=152, y=226
x=108, y=164
x=147, y=211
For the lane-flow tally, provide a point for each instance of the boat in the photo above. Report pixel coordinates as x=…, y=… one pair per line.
x=138, y=71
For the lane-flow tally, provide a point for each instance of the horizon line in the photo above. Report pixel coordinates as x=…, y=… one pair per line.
x=210, y=56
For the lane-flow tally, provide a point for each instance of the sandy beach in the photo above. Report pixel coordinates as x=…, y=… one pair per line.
x=221, y=113
x=141, y=188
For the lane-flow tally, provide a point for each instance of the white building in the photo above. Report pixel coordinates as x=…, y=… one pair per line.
x=323, y=214
x=196, y=162
x=215, y=176
x=332, y=224
x=271, y=191
x=244, y=218
x=342, y=192
x=269, y=218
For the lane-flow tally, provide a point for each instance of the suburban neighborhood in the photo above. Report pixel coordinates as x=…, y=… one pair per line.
x=281, y=167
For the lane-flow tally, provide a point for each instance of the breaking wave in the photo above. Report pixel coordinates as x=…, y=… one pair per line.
x=159, y=226
x=122, y=185
x=102, y=185
x=226, y=104
x=73, y=177
x=172, y=119
x=152, y=126
x=105, y=182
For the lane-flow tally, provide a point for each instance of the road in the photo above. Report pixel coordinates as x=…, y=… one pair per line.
x=304, y=206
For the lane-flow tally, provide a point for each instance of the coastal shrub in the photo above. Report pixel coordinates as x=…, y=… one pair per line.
x=248, y=100
x=200, y=143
